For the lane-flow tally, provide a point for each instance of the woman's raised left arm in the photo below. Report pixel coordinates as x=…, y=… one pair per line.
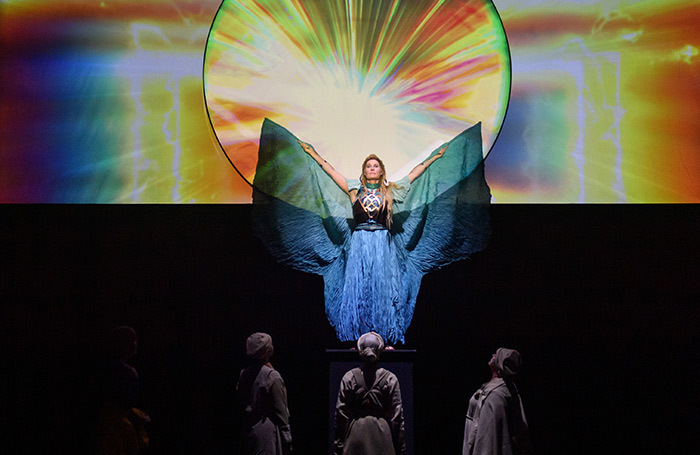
x=418, y=170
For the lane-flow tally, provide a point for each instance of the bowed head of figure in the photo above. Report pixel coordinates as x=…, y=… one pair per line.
x=259, y=347
x=370, y=345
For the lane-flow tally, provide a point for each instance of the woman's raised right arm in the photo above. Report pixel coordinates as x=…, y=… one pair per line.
x=337, y=177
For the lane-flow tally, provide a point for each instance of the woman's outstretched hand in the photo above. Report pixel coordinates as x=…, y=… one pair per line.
x=442, y=150
x=307, y=147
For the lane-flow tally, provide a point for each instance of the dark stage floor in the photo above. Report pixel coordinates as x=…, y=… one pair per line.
x=601, y=300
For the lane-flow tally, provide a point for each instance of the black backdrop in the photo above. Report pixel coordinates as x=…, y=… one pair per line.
x=601, y=300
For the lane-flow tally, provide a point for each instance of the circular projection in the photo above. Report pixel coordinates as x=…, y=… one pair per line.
x=392, y=77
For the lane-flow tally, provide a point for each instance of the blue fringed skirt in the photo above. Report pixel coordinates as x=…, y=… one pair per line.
x=371, y=292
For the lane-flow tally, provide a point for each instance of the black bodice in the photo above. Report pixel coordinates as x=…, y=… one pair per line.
x=368, y=210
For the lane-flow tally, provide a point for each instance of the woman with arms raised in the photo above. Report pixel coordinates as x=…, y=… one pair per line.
x=371, y=294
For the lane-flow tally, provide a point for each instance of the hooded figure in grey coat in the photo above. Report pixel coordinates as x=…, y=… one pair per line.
x=261, y=390
x=369, y=413
x=496, y=423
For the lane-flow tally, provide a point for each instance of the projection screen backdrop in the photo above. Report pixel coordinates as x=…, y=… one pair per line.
x=592, y=101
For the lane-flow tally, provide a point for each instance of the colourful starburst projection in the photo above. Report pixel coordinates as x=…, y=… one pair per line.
x=103, y=101
x=391, y=77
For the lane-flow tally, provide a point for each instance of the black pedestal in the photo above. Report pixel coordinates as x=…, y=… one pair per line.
x=399, y=361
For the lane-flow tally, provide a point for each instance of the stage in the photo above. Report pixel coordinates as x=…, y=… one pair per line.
x=601, y=301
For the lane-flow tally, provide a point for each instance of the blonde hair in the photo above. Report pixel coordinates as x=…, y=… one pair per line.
x=385, y=187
